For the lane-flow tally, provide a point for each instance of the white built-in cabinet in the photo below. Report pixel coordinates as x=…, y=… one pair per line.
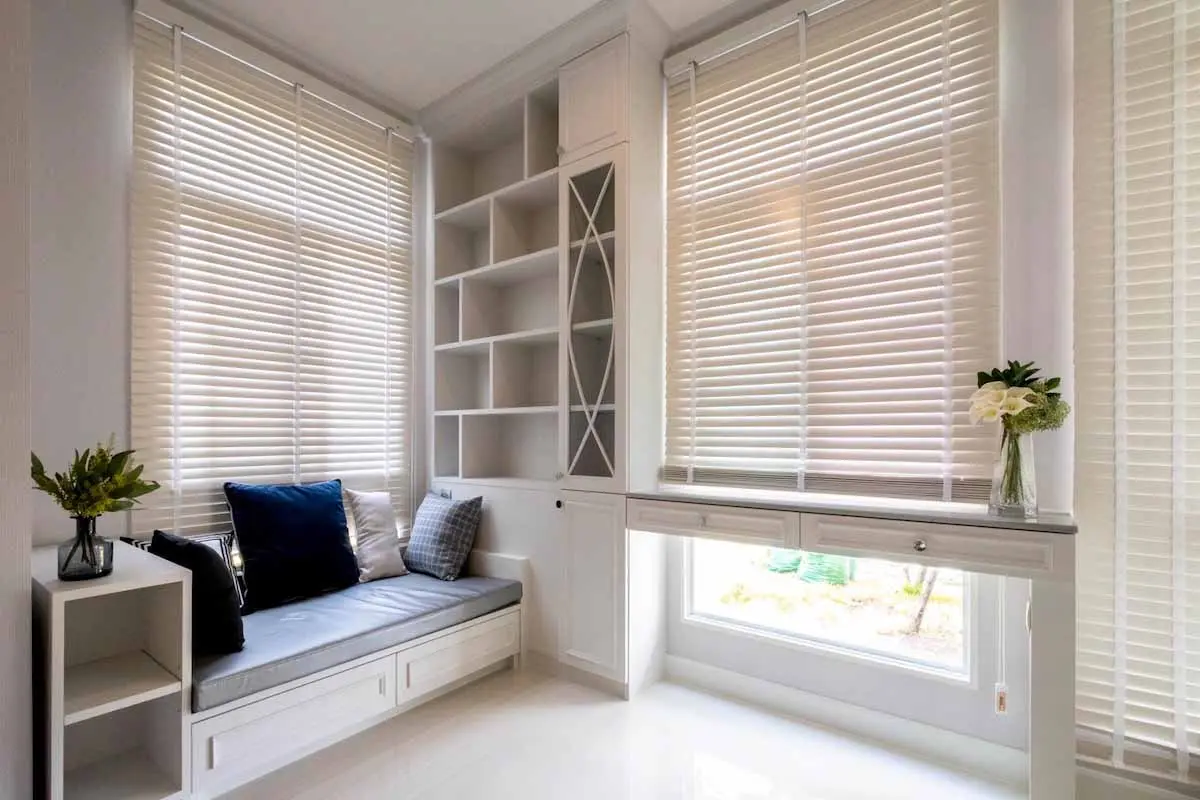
x=594, y=100
x=528, y=298
x=592, y=632
x=547, y=230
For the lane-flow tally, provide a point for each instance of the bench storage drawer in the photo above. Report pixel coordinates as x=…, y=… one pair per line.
x=236, y=746
x=750, y=525
x=430, y=666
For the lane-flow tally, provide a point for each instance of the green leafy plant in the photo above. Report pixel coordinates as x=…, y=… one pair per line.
x=97, y=481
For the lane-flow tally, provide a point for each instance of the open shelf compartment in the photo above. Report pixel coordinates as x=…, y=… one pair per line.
x=446, y=446
x=490, y=156
x=510, y=446
x=496, y=309
x=541, y=129
x=462, y=380
x=525, y=375
x=135, y=753
x=121, y=650
x=445, y=314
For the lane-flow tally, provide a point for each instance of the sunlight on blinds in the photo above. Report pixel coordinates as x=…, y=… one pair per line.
x=272, y=285
x=833, y=254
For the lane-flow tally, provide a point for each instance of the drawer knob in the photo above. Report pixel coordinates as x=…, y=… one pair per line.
x=703, y=520
x=920, y=546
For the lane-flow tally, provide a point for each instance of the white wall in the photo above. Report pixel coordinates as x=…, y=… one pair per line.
x=15, y=731
x=81, y=135
x=1035, y=130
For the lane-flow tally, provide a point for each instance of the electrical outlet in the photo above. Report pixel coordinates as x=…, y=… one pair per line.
x=1001, y=698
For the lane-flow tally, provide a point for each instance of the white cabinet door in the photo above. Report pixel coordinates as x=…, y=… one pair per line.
x=593, y=100
x=594, y=633
x=592, y=230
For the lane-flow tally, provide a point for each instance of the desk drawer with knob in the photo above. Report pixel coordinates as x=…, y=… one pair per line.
x=971, y=548
x=702, y=520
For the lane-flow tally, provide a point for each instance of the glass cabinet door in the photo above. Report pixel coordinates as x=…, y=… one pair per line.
x=593, y=221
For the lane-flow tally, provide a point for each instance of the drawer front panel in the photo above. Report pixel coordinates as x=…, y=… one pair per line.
x=432, y=665
x=993, y=550
x=261, y=736
x=751, y=525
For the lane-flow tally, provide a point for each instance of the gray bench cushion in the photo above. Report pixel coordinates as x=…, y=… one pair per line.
x=292, y=641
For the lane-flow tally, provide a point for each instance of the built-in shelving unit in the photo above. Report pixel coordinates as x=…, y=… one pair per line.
x=115, y=671
x=496, y=328
x=531, y=240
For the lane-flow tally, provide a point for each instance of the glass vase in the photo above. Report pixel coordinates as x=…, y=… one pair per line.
x=86, y=556
x=1014, y=483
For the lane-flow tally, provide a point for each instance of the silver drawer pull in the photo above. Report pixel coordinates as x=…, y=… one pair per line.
x=703, y=520
x=920, y=546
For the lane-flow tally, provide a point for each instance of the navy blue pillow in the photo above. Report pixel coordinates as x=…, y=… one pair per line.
x=293, y=539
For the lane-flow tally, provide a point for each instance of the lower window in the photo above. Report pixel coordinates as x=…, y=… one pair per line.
x=905, y=613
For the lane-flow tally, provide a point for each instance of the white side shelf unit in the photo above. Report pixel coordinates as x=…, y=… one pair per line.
x=496, y=294
x=114, y=670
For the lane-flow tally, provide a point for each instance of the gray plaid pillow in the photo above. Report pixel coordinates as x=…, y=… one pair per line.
x=442, y=536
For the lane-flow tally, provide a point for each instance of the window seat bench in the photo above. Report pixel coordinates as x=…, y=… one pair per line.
x=318, y=671
x=300, y=639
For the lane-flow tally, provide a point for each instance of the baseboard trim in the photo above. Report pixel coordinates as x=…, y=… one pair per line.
x=549, y=665
x=997, y=763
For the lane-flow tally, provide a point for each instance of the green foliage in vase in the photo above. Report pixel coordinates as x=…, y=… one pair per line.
x=97, y=481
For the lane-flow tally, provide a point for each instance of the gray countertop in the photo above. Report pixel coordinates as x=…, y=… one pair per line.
x=906, y=510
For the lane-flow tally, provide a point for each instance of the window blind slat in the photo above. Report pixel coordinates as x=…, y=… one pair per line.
x=271, y=286
x=832, y=244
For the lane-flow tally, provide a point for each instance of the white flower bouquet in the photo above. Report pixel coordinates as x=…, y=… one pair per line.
x=1023, y=404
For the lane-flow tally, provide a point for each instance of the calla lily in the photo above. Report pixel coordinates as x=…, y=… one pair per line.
x=988, y=389
x=1014, y=405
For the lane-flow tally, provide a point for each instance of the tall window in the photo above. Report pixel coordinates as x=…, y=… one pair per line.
x=832, y=259
x=1137, y=313
x=272, y=285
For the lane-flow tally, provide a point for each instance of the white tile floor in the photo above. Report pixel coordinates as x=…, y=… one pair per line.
x=528, y=736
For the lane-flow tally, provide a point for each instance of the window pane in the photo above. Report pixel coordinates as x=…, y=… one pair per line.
x=904, y=611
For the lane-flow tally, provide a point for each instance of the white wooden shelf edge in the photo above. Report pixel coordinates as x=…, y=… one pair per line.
x=604, y=239
x=593, y=325
x=602, y=408
x=488, y=412
x=536, y=335
x=128, y=776
x=110, y=684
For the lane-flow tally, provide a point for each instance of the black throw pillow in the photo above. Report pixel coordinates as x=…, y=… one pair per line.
x=216, y=608
x=294, y=541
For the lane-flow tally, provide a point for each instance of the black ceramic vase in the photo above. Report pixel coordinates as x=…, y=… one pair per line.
x=86, y=556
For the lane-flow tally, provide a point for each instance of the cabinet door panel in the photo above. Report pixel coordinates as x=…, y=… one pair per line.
x=592, y=222
x=594, y=633
x=593, y=102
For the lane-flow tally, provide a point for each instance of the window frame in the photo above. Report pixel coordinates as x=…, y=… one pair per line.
x=968, y=676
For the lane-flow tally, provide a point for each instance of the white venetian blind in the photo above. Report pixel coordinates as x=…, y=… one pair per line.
x=833, y=253
x=1137, y=263
x=272, y=285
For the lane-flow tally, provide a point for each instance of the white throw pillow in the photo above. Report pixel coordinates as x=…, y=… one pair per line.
x=378, y=550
